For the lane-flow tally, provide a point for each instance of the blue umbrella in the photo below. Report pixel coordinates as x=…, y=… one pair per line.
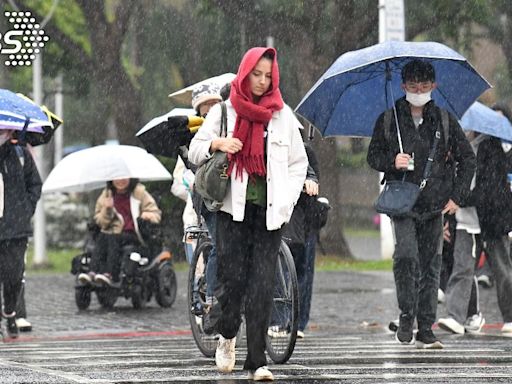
x=480, y=118
x=19, y=113
x=362, y=84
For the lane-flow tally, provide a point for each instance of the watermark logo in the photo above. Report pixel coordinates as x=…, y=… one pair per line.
x=23, y=41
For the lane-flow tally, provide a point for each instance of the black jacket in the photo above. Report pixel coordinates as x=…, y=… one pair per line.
x=455, y=157
x=491, y=195
x=22, y=189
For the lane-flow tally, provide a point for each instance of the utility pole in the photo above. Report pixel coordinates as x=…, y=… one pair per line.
x=58, y=136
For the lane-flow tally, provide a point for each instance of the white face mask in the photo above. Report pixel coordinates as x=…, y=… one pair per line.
x=418, y=99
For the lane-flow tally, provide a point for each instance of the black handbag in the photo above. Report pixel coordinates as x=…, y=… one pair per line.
x=398, y=197
x=212, y=180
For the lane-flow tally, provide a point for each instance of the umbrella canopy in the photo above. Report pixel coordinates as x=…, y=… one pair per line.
x=16, y=111
x=184, y=95
x=32, y=124
x=362, y=84
x=34, y=138
x=164, y=134
x=480, y=118
x=91, y=168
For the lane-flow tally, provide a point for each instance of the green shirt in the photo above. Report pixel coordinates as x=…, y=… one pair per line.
x=257, y=191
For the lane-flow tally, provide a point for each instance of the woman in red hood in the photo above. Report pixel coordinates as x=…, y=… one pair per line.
x=267, y=170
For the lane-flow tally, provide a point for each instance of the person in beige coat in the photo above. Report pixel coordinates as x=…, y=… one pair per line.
x=119, y=211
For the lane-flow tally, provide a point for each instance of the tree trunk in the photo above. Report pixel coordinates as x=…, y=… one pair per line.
x=116, y=95
x=332, y=236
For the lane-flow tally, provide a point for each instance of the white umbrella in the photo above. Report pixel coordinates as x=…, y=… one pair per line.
x=91, y=168
x=184, y=95
x=164, y=118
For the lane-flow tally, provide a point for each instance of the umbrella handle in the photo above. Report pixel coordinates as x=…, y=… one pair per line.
x=23, y=132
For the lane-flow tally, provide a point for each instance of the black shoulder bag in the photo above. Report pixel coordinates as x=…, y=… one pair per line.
x=399, y=196
x=212, y=180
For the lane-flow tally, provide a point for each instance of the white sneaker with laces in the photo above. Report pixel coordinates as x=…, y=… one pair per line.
x=507, y=328
x=261, y=374
x=474, y=323
x=300, y=334
x=225, y=354
x=451, y=325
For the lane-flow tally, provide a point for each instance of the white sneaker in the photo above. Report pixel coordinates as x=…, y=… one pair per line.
x=451, y=325
x=507, y=328
x=261, y=374
x=23, y=325
x=225, y=354
x=276, y=331
x=474, y=323
x=84, y=278
x=441, y=298
x=300, y=334
x=485, y=281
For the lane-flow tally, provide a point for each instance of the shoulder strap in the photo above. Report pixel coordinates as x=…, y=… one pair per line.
x=21, y=155
x=223, y=120
x=445, y=121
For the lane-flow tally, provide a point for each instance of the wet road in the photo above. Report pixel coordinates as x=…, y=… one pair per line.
x=347, y=341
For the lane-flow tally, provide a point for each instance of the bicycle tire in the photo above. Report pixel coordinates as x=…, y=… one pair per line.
x=285, y=309
x=207, y=344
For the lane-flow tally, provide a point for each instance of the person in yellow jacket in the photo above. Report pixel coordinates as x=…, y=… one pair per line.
x=119, y=211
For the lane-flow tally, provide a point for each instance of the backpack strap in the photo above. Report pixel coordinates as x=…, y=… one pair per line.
x=223, y=120
x=445, y=121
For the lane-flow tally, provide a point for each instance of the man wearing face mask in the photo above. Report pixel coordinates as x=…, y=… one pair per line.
x=20, y=189
x=418, y=235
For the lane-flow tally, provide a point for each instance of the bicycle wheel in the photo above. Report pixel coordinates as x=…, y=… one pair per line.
x=207, y=344
x=282, y=333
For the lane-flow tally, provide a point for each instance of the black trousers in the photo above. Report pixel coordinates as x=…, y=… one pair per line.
x=12, y=265
x=246, y=264
x=107, y=252
x=416, y=267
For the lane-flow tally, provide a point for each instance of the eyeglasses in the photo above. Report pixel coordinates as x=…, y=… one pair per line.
x=422, y=87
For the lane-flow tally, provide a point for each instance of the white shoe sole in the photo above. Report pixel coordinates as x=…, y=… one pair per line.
x=475, y=330
x=422, y=345
x=447, y=328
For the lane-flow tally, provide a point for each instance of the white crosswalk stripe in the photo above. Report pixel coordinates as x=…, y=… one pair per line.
x=366, y=358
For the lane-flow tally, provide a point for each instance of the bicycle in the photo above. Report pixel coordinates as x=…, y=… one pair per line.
x=282, y=333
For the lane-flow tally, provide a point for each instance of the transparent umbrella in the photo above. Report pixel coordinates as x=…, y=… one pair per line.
x=91, y=168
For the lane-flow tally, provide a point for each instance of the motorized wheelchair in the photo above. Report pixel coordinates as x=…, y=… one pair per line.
x=146, y=271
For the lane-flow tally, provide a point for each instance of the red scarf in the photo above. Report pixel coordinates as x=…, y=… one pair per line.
x=252, y=117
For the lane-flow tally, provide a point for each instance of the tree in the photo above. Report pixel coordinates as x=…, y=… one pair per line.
x=95, y=41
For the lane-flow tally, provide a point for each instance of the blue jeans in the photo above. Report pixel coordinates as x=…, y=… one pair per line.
x=304, y=257
x=211, y=268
